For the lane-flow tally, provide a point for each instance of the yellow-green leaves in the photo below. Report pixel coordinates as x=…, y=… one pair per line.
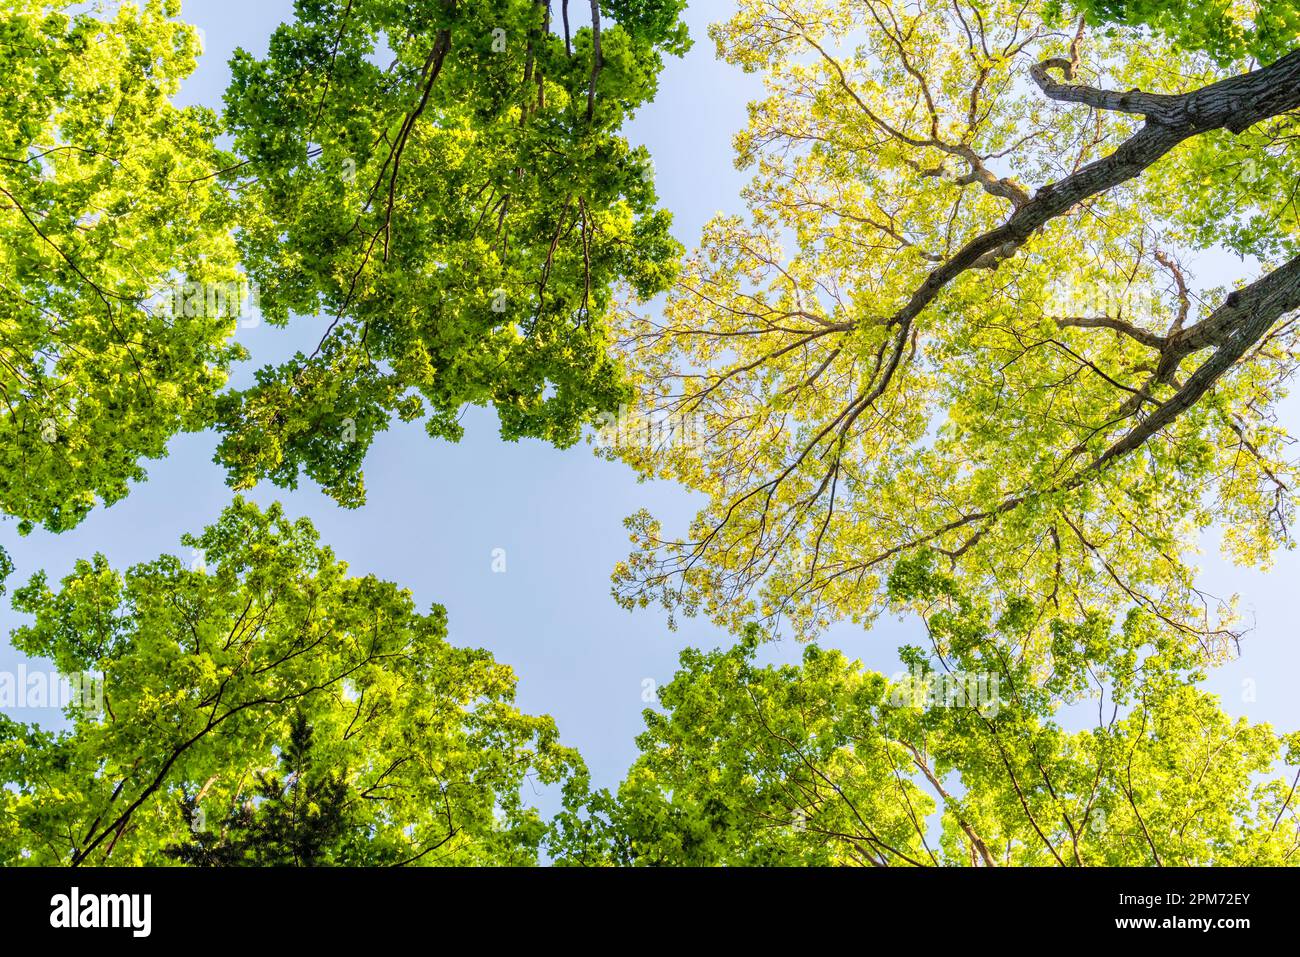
x=975, y=755
x=445, y=186
x=963, y=312
x=210, y=667
x=1229, y=30
x=107, y=206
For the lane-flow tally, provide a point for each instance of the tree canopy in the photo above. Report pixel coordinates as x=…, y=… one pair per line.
x=445, y=185
x=826, y=763
x=416, y=749
x=962, y=313
x=105, y=205
x=999, y=340
x=1261, y=29
x=442, y=187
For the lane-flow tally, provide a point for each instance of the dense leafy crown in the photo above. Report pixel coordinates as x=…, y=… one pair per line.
x=444, y=185
x=963, y=312
x=1227, y=29
x=105, y=206
x=967, y=759
x=211, y=666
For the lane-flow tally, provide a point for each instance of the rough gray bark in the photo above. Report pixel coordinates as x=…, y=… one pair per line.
x=1234, y=104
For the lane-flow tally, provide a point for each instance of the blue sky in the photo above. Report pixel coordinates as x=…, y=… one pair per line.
x=437, y=511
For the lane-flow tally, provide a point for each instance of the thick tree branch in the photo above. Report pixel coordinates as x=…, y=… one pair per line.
x=1234, y=104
